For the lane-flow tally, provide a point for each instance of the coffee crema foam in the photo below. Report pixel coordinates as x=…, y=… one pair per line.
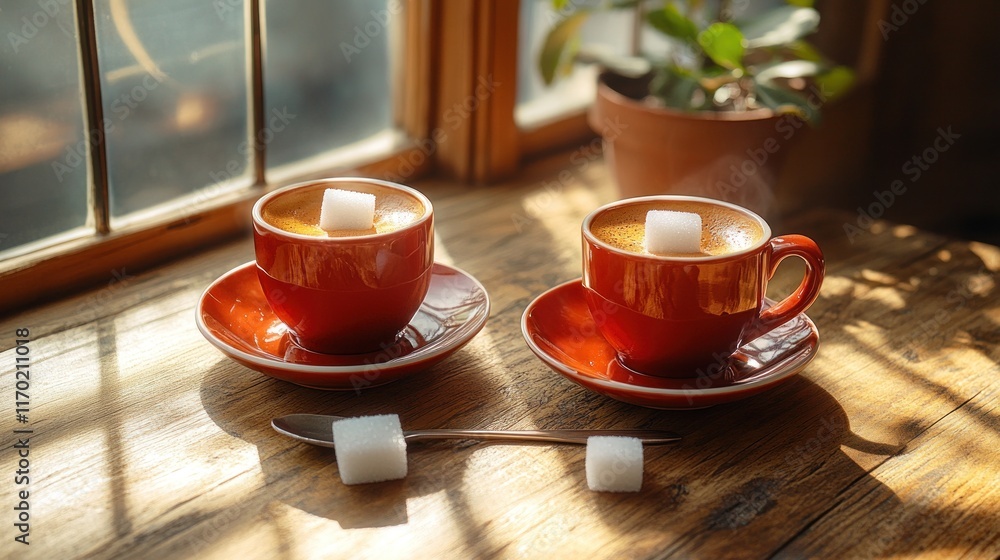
x=298, y=211
x=723, y=230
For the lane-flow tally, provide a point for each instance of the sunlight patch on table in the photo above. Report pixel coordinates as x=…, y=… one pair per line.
x=510, y=485
x=878, y=277
x=158, y=472
x=889, y=297
x=427, y=532
x=60, y=373
x=867, y=333
x=64, y=473
x=558, y=209
x=901, y=231
x=989, y=254
x=441, y=253
x=836, y=286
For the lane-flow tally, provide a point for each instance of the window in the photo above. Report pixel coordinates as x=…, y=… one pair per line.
x=174, y=98
x=337, y=95
x=538, y=103
x=43, y=148
x=134, y=130
x=128, y=129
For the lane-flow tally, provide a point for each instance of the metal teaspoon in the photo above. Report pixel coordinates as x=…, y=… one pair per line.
x=317, y=429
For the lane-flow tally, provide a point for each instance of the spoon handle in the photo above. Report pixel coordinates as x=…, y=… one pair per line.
x=648, y=437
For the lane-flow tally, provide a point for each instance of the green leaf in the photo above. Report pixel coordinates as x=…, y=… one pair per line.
x=836, y=82
x=723, y=43
x=675, y=86
x=558, y=5
x=788, y=69
x=780, y=26
x=672, y=22
x=805, y=51
x=782, y=101
x=801, y=3
x=553, y=53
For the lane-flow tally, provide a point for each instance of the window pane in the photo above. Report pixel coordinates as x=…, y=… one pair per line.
x=326, y=75
x=43, y=147
x=175, y=92
x=535, y=100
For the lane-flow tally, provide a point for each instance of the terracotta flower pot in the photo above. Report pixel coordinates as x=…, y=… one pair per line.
x=729, y=156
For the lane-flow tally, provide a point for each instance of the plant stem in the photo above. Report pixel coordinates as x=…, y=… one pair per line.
x=637, y=21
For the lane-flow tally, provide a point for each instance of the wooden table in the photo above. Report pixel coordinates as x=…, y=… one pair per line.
x=147, y=442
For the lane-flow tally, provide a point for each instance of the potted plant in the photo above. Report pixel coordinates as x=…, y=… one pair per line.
x=713, y=114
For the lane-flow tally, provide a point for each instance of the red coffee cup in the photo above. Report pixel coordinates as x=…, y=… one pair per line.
x=344, y=295
x=673, y=316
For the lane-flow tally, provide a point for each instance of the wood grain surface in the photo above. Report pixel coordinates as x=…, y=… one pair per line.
x=148, y=443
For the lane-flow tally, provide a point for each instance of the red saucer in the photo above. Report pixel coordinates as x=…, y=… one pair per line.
x=234, y=316
x=559, y=329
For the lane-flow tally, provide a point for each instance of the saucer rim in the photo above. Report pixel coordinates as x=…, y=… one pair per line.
x=574, y=374
x=233, y=352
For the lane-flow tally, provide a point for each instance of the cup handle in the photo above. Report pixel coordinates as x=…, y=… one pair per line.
x=806, y=249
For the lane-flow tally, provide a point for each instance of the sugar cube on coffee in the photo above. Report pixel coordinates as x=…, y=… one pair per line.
x=346, y=210
x=614, y=464
x=369, y=448
x=668, y=231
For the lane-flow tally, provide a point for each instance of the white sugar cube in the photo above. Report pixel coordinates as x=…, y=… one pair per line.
x=369, y=448
x=614, y=464
x=668, y=231
x=346, y=210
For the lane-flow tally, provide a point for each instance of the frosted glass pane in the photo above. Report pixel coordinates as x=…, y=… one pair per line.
x=175, y=91
x=43, y=147
x=534, y=99
x=327, y=71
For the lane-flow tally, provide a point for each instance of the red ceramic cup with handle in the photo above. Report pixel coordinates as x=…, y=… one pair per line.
x=674, y=315
x=344, y=292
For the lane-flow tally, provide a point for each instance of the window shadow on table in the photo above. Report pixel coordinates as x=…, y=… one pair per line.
x=773, y=473
x=743, y=467
x=793, y=449
x=243, y=402
x=924, y=307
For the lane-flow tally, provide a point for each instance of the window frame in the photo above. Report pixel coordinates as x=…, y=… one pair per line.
x=66, y=263
x=449, y=127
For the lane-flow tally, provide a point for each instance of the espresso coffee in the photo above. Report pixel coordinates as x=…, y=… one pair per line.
x=723, y=230
x=298, y=211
